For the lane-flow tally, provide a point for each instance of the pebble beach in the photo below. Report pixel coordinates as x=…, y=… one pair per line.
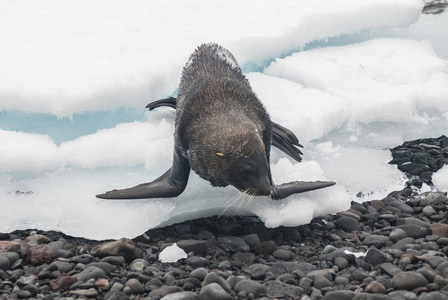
x=391, y=248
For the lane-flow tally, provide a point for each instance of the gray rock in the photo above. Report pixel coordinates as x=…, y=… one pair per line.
x=435, y=261
x=89, y=273
x=163, y=291
x=288, y=267
x=403, y=207
x=283, y=254
x=198, y=247
x=11, y=256
x=341, y=262
x=116, y=295
x=138, y=264
x=347, y=224
x=389, y=269
x=433, y=198
x=197, y=262
x=376, y=257
x=4, y=263
x=365, y=296
x=122, y=247
x=252, y=240
x=415, y=231
x=181, y=296
x=409, y=280
x=214, y=291
x=212, y=277
x=403, y=295
x=85, y=293
x=233, y=280
x=277, y=289
x=63, y=267
x=321, y=282
x=428, y=211
x=402, y=243
x=434, y=296
x=339, y=295
x=251, y=287
x=199, y=273
x=234, y=244
x=135, y=286
x=106, y=267
x=397, y=234
x=375, y=240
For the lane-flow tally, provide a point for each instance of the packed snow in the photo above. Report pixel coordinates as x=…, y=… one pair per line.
x=349, y=78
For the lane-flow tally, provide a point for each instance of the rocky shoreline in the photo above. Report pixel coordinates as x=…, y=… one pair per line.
x=394, y=248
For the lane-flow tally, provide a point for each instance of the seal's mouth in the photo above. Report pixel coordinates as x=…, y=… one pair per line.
x=258, y=192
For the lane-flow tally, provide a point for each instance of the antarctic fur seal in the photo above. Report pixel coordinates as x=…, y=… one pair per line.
x=222, y=132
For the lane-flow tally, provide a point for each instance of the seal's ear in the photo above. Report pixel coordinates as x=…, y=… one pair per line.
x=220, y=154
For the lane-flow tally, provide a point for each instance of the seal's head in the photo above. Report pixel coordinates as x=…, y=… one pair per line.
x=244, y=165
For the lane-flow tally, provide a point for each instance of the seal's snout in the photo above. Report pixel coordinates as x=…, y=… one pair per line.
x=263, y=186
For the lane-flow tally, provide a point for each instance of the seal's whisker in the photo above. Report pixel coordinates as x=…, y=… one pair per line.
x=231, y=202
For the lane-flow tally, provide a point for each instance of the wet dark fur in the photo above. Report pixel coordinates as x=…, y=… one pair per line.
x=217, y=112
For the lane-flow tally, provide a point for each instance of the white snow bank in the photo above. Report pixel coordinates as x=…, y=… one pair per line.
x=346, y=103
x=76, y=56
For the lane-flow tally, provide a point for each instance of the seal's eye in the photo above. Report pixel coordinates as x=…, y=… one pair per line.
x=247, y=171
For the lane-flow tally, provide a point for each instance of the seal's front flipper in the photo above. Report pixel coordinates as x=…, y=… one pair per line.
x=170, y=184
x=286, y=189
x=285, y=140
x=170, y=102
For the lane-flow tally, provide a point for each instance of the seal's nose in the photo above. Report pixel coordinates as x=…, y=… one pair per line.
x=263, y=186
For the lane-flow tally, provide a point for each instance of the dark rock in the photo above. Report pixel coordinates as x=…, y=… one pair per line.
x=389, y=269
x=409, y=280
x=246, y=258
x=198, y=247
x=374, y=287
x=199, y=273
x=339, y=295
x=214, y=291
x=288, y=267
x=347, y=224
x=376, y=240
x=116, y=295
x=277, y=289
x=397, y=234
x=415, y=231
x=135, y=286
x=252, y=240
x=283, y=254
x=197, y=262
x=376, y=257
x=215, y=278
x=91, y=272
x=233, y=244
x=251, y=287
x=122, y=247
x=265, y=248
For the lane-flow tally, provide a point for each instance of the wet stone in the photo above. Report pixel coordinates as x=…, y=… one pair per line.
x=409, y=280
x=251, y=287
x=347, y=224
x=214, y=291
x=234, y=244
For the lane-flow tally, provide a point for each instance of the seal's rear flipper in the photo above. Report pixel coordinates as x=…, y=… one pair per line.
x=286, y=189
x=171, y=184
x=282, y=138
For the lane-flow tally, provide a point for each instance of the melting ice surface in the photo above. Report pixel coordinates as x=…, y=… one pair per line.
x=350, y=78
